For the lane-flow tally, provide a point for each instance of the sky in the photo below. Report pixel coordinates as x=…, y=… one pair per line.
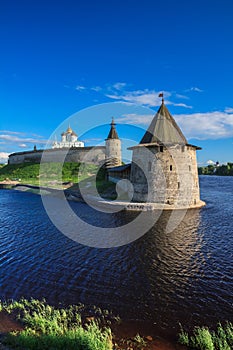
x=82, y=62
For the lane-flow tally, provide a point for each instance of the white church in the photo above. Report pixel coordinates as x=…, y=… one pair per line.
x=69, y=139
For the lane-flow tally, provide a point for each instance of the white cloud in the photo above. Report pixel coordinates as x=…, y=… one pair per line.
x=182, y=105
x=4, y=157
x=195, y=89
x=117, y=91
x=96, y=88
x=228, y=110
x=36, y=135
x=135, y=119
x=21, y=140
x=182, y=96
x=80, y=87
x=120, y=91
x=144, y=97
x=12, y=132
x=209, y=125
x=210, y=162
x=119, y=86
x=202, y=126
x=93, y=140
x=12, y=141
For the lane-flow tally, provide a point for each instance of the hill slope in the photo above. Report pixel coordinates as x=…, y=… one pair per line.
x=31, y=173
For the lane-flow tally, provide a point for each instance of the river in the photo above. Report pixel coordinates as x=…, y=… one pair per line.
x=163, y=277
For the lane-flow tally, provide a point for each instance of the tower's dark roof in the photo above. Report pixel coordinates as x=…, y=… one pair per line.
x=163, y=129
x=112, y=133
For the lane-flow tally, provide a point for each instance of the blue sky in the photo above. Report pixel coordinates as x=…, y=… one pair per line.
x=59, y=57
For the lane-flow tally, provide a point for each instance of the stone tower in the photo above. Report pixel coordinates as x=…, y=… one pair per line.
x=164, y=165
x=113, y=147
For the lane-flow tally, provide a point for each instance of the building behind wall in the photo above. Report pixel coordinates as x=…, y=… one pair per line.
x=70, y=149
x=69, y=139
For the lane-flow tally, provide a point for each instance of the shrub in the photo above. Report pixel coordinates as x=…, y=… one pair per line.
x=204, y=339
x=54, y=329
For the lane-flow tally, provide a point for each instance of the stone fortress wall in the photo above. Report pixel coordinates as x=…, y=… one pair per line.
x=94, y=155
x=69, y=149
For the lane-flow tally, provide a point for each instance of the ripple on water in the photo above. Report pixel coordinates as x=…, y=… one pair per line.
x=167, y=277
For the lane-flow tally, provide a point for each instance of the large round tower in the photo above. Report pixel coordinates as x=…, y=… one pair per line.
x=164, y=165
x=113, y=147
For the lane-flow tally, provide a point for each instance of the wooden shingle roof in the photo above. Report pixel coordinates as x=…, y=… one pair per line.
x=163, y=129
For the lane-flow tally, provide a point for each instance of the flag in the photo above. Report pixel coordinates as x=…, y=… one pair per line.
x=161, y=94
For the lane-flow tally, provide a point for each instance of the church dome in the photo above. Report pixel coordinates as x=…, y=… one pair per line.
x=69, y=130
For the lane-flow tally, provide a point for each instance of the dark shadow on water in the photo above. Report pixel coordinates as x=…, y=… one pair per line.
x=179, y=271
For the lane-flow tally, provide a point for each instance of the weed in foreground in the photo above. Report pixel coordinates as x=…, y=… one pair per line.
x=205, y=339
x=49, y=328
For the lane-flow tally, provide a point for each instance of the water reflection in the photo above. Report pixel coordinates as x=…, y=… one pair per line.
x=166, y=263
x=167, y=276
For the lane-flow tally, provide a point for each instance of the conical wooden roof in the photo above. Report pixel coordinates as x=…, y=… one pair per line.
x=112, y=133
x=163, y=129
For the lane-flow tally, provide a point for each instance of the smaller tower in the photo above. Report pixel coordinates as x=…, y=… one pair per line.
x=113, y=147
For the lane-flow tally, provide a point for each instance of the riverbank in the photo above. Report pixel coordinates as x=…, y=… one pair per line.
x=8, y=184
x=36, y=325
x=104, y=201
x=31, y=320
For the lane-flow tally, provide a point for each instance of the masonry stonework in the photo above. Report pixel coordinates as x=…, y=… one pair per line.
x=113, y=148
x=164, y=165
x=169, y=176
x=95, y=155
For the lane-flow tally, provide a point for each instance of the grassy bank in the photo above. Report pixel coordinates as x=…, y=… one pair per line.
x=46, y=327
x=203, y=338
x=31, y=173
x=73, y=174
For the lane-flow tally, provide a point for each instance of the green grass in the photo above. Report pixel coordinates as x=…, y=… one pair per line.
x=205, y=339
x=106, y=189
x=28, y=172
x=51, y=328
x=91, y=338
x=53, y=175
x=48, y=174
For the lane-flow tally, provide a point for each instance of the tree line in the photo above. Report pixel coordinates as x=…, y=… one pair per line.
x=221, y=170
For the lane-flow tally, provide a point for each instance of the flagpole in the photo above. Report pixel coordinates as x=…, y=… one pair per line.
x=161, y=95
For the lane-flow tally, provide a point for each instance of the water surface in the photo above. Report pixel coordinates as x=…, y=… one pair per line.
x=183, y=276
